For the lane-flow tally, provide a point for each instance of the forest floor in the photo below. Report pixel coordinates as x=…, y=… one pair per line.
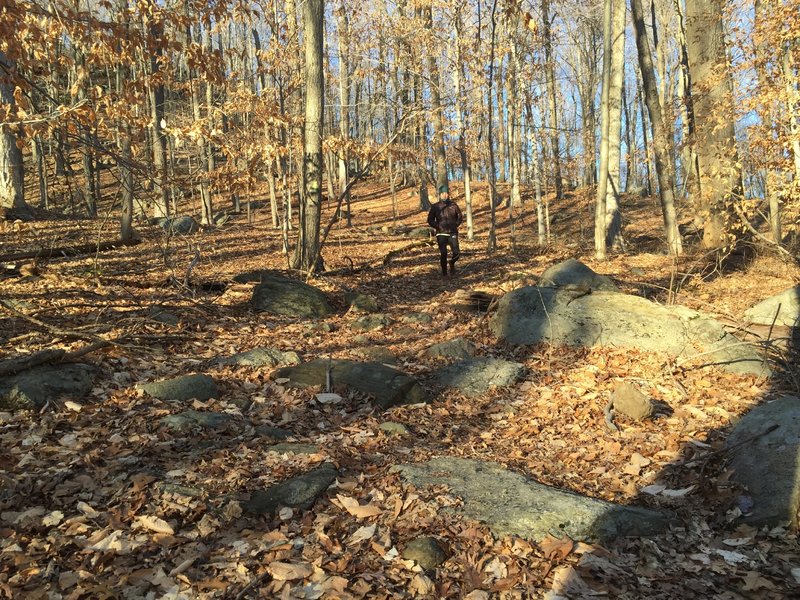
x=85, y=513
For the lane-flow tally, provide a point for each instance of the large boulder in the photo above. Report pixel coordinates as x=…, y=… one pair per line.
x=455, y=348
x=181, y=225
x=34, y=388
x=782, y=309
x=530, y=315
x=512, y=504
x=764, y=451
x=389, y=387
x=573, y=273
x=199, y=386
x=476, y=376
x=283, y=296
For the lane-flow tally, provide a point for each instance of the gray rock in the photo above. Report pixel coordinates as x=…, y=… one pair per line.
x=364, y=303
x=283, y=296
x=273, y=433
x=426, y=551
x=261, y=357
x=419, y=232
x=298, y=492
x=360, y=339
x=323, y=327
x=418, y=318
x=455, y=348
x=162, y=314
x=785, y=305
x=394, y=428
x=768, y=465
x=405, y=331
x=294, y=448
x=34, y=388
x=221, y=217
x=379, y=354
x=476, y=376
x=371, y=322
x=512, y=504
x=389, y=387
x=530, y=315
x=257, y=276
x=180, y=225
x=628, y=400
x=573, y=273
x=199, y=386
x=189, y=419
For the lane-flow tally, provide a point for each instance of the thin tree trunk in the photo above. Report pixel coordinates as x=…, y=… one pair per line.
x=664, y=166
x=605, y=125
x=307, y=253
x=461, y=125
x=343, y=27
x=12, y=178
x=550, y=75
x=613, y=219
x=491, y=168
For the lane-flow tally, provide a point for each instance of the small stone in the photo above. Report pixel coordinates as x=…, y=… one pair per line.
x=298, y=492
x=161, y=314
x=405, y=331
x=360, y=340
x=193, y=418
x=34, y=388
x=294, y=448
x=420, y=318
x=455, y=348
x=371, y=322
x=274, y=433
x=363, y=303
x=426, y=551
x=628, y=400
x=394, y=428
x=261, y=357
x=199, y=386
x=379, y=354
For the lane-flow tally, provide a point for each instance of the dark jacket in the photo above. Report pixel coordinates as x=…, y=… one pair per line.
x=445, y=217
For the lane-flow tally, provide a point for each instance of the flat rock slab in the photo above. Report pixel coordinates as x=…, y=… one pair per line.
x=476, y=376
x=298, y=492
x=455, y=348
x=34, y=388
x=768, y=464
x=783, y=309
x=532, y=314
x=389, y=387
x=574, y=273
x=272, y=433
x=260, y=357
x=189, y=419
x=199, y=386
x=283, y=296
x=512, y=504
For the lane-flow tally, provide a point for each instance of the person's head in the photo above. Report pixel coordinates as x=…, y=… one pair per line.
x=444, y=193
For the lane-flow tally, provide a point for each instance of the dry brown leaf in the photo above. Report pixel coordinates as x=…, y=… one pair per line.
x=352, y=506
x=556, y=548
x=155, y=524
x=284, y=571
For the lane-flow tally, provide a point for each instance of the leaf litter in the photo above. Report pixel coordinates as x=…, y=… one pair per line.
x=99, y=500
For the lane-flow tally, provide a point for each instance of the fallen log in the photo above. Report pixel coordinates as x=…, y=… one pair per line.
x=68, y=250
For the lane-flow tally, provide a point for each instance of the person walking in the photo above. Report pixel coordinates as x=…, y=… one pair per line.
x=445, y=218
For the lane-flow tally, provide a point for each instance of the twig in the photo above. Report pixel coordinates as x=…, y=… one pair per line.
x=28, y=361
x=759, y=235
x=63, y=333
x=608, y=414
x=714, y=453
x=68, y=250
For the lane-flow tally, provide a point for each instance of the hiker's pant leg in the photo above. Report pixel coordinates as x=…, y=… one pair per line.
x=455, y=248
x=443, y=241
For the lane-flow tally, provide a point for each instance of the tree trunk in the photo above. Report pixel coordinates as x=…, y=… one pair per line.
x=343, y=27
x=605, y=126
x=307, y=253
x=491, y=167
x=550, y=74
x=461, y=125
x=613, y=187
x=720, y=176
x=12, y=180
x=156, y=97
x=664, y=166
